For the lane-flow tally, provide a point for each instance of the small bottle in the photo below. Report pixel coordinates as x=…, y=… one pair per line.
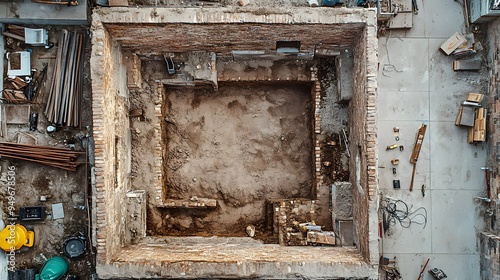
x=33, y=121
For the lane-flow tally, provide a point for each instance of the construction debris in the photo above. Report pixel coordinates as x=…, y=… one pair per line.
x=118, y=3
x=321, y=237
x=472, y=115
x=464, y=48
x=18, y=64
x=453, y=43
x=56, y=157
x=471, y=64
x=14, y=31
x=478, y=132
x=17, y=114
x=390, y=268
x=244, y=2
x=63, y=106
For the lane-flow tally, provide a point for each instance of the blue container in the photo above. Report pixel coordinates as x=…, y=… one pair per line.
x=330, y=3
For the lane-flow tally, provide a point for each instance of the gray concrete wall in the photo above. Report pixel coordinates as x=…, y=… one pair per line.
x=27, y=13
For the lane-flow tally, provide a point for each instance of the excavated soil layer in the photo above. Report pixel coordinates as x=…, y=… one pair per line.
x=241, y=145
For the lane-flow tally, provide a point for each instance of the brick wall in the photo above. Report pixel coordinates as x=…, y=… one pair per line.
x=490, y=256
x=112, y=142
x=363, y=137
x=110, y=105
x=494, y=99
x=490, y=241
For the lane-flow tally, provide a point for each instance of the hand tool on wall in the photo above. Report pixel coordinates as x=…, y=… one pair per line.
x=415, y=6
x=486, y=172
x=170, y=63
x=346, y=142
x=416, y=151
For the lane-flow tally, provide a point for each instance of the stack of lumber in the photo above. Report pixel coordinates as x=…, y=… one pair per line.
x=63, y=106
x=50, y=156
x=14, y=32
x=473, y=116
x=478, y=132
x=13, y=91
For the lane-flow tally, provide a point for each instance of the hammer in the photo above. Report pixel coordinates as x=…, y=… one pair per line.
x=486, y=172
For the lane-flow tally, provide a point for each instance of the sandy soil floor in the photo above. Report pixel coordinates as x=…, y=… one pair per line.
x=240, y=145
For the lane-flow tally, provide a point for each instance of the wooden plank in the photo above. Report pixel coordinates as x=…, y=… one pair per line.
x=416, y=151
x=17, y=114
x=418, y=143
x=479, y=134
x=118, y=3
x=458, y=119
x=475, y=97
x=455, y=41
x=473, y=64
x=14, y=36
x=467, y=116
x=470, y=135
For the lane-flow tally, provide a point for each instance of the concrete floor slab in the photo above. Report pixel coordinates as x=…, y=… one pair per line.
x=443, y=18
x=408, y=130
x=442, y=78
x=416, y=237
x=444, y=105
x=403, y=64
x=448, y=165
x=452, y=213
x=248, y=261
x=405, y=105
x=455, y=164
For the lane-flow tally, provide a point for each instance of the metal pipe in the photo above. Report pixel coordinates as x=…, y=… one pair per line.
x=2, y=54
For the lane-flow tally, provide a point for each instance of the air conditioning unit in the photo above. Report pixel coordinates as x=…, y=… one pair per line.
x=495, y=4
x=36, y=37
x=482, y=11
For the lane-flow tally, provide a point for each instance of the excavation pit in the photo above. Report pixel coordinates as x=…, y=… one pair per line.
x=241, y=145
x=187, y=159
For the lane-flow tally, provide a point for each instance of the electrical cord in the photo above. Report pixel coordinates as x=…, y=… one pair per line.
x=397, y=211
x=389, y=67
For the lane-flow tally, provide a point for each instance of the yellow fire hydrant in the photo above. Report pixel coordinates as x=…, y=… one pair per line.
x=13, y=237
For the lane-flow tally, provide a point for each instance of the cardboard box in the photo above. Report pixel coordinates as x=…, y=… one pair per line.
x=453, y=43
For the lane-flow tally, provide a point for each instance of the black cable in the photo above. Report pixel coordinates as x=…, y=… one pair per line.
x=397, y=211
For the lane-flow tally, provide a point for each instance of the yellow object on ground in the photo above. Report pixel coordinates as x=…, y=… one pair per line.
x=15, y=237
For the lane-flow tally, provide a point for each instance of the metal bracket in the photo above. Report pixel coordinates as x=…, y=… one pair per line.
x=170, y=63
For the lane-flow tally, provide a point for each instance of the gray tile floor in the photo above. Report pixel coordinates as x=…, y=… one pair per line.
x=417, y=85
